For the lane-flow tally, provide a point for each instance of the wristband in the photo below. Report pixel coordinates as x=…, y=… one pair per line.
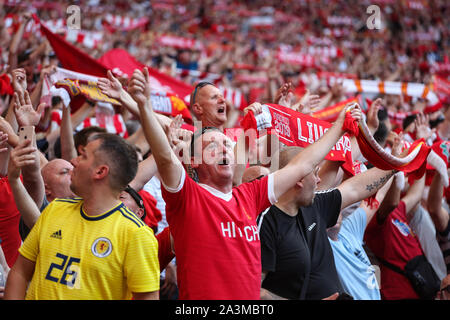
x=400, y=180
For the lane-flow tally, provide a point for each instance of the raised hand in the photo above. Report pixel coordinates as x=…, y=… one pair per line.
x=48, y=70
x=355, y=112
x=21, y=156
x=24, y=111
x=397, y=145
x=284, y=96
x=423, y=130
x=6, y=128
x=176, y=134
x=139, y=86
x=19, y=80
x=372, y=115
x=307, y=103
x=255, y=107
x=110, y=86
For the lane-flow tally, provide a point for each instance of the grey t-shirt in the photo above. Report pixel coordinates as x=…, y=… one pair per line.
x=425, y=230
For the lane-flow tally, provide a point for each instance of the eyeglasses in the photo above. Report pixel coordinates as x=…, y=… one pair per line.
x=199, y=86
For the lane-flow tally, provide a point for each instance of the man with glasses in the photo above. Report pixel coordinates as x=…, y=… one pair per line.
x=216, y=240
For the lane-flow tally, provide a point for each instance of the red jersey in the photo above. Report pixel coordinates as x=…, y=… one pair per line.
x=216, y=239
x=395, y=242
x=9, y=223
x=165, y=254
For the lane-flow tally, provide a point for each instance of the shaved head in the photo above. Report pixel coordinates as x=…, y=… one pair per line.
x=254, y=172
x=287, y=154
x=56, y=176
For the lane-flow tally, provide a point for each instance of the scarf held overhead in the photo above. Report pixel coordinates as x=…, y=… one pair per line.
x=297, y=129
x=414, y=164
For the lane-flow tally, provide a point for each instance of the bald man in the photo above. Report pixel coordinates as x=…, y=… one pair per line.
x=56, y=175
x=254, y=172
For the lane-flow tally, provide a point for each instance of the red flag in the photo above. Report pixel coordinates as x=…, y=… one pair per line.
x=122, y=63
x=70, y=56
x=117, y=60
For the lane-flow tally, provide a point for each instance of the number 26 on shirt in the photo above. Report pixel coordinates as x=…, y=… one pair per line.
x=71, y=271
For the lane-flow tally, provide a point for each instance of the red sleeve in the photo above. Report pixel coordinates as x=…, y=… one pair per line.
x=5, y=85
x=165, y=254
x=153, y=215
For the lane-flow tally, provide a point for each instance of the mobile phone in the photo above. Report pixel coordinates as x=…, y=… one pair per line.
x=26, y=133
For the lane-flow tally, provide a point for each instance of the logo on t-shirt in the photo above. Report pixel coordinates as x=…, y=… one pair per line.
x=231, y=230
x=101, y=247
x=246, y=214
x=402, y=227
x=57, y=234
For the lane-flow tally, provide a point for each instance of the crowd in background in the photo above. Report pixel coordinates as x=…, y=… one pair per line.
x=253, y=51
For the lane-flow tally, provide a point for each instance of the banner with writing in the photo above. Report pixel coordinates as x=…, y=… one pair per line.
x=297, y=129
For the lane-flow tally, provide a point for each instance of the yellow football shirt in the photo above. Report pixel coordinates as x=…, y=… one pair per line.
x=87, y=258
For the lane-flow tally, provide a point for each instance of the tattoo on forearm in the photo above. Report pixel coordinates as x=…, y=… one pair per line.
x=377, y=184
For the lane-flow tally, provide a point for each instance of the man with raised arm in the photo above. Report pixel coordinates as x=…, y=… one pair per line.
x=297, y=259
x=216, y=240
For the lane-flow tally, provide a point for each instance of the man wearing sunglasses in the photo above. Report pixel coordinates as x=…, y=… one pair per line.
x=208, y=105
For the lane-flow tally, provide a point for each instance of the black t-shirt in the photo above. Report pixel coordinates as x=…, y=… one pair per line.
x=293, y=247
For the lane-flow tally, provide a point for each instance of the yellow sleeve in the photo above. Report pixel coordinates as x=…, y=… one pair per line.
x=141, y=261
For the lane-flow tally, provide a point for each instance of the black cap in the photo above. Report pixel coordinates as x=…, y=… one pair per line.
x=137, y=197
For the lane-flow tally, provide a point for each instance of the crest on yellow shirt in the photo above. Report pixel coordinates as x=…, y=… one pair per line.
x=101, y=247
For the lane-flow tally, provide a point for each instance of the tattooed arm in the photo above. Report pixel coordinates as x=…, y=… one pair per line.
x=363, y=185
x=266, y=294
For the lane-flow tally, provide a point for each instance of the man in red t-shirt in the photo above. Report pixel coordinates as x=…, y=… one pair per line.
x=214, y=225
x=390, y=238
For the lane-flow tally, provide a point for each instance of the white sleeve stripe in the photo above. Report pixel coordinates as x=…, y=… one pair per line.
x=325, y=191
x=180, y=185
x=271, y=189
x=261, y=219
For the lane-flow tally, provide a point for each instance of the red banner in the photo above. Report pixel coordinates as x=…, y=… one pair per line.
x=297, y=129
x=123, y=63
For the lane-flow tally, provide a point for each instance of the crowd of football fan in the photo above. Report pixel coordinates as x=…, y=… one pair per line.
x=87, y=212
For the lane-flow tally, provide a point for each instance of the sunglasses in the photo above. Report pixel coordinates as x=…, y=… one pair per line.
x=199, y=86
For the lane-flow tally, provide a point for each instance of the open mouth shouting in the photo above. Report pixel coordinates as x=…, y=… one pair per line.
x=221, y=110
